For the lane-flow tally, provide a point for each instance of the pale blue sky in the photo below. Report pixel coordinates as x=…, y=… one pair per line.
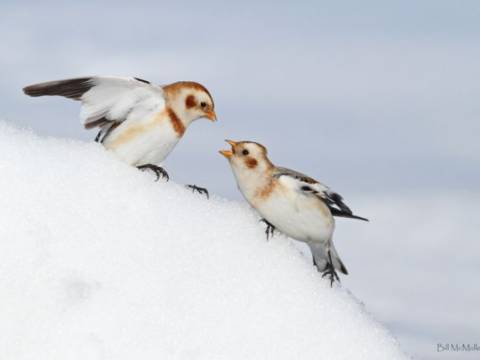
x=385, y=94
x=369, y=97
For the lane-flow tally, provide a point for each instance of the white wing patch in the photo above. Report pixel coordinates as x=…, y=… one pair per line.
x=301, y=182
x=119, y=99
x=306, y=188
x=311, y=187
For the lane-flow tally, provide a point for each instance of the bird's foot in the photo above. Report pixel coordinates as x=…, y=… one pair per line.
x=158, y=170
x=331, y=273
x=270, y=230
x=198, y=189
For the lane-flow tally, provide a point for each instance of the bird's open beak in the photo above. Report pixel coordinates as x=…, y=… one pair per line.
x=210, y=115
x=228, y=153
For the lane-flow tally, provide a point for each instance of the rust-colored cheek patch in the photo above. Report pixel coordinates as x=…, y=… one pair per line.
x=190, y=102
x=176, y=122
x=251, y=163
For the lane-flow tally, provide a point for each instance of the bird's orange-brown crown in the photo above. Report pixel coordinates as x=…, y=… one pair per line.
x=176, y=87
x=249, y=153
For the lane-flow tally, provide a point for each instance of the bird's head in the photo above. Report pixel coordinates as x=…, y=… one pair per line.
x=190, y=101
x=247, y=157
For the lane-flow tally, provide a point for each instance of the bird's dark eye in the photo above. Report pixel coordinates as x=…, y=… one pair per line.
x=203, y=104
x=245, y=152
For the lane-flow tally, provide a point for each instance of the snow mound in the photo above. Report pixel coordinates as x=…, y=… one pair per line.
x=97, y=261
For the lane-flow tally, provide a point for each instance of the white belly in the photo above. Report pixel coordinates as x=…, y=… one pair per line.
x=143, y=142
x=298, y=216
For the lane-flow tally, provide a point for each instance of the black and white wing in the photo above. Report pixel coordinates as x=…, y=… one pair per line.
x=106, y=101
x=312, y=187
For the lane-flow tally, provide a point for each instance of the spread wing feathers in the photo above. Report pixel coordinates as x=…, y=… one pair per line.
x=311, y=187
x=106, y=100
x=72, y=88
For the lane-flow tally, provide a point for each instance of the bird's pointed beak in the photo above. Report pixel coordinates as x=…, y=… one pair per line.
x=210, y=115
x=231, y=142
x=228, y=153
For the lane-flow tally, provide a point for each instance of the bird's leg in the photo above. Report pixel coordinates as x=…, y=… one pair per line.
x=269, y=231
x=199, y=189
x=158, y=170
x=97, y=138
x=330, y=271
x=104, y=132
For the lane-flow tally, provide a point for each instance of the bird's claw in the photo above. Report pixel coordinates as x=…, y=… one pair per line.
x=158, y=170
x=330, y=270
x=270, y=230
x=332, y=275
x=199, y=189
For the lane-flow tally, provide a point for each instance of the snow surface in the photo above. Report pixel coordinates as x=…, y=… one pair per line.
x=418, y=269
x=98, y=261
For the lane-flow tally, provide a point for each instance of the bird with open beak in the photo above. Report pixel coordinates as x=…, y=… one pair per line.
x=291, y=202
x=139, y=122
